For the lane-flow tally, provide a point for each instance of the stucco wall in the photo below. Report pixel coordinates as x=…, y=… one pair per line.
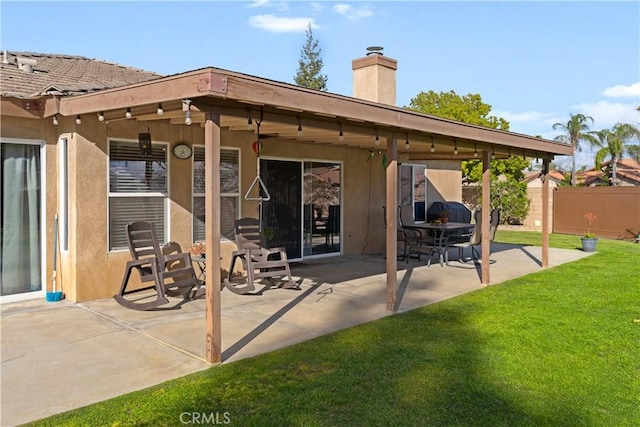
x=89, y=271
x=443, y=181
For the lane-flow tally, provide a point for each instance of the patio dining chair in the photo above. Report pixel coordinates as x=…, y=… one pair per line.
x=258, y=261
x=168, y=273
x=420, y=242
x=470, y=240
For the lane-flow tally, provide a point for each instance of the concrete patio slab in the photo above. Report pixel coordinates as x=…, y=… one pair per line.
x=59, y=356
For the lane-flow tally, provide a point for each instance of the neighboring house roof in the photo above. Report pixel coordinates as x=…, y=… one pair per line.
x=32, y=75
x=628, y=169
x=554, y=175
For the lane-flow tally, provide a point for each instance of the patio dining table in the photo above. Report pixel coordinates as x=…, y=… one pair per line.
x=441, y=233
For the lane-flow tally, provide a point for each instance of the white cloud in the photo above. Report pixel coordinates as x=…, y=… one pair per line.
x=280, y=5
x=258, y=3
x=606, y=114
x=351, y=12
x=621, y=91
x=280, y=24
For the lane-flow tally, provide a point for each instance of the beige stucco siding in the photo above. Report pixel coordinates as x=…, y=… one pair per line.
x=88, y=270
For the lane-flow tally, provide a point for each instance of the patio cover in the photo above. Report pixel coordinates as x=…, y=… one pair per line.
x=219, y=99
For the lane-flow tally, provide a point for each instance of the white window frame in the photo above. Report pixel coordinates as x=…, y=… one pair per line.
x=63, y=193
x=195, y=194
x=164, y=195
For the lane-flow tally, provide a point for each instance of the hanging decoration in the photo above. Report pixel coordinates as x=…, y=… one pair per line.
x=257, y=146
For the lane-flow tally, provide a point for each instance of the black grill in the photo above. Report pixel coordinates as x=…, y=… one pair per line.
x=458, y=212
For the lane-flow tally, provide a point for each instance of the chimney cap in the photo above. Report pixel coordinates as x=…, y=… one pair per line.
x=374, y=50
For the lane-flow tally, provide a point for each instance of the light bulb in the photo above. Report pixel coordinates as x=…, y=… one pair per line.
x=475, y=154
x=432, y=149
x=249, y=124
x=299, y=130
x=78, y=120
x=340, y=136
x=55, y=120
x=377, y=140
x=101, y=116
x=128, y=113
x=160, y=110
x=406, y=145
x=187, y=118
x=455, y=150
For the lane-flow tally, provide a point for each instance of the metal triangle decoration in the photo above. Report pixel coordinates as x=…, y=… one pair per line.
x=263, y=189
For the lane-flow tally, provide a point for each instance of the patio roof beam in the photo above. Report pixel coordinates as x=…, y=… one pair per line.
x=392, y=224
x=293, y=101
x=486, y=217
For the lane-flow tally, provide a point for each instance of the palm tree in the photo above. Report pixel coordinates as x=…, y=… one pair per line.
x=575, y=131
x=615, y=143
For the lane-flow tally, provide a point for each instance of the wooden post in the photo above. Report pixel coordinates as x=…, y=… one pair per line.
x=486, y=215
x=212, y=237
x=392, y=223
x=545, y=213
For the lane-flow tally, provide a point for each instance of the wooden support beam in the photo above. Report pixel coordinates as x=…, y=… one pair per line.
x=212, y=238
x=545, y=213
x=486, y=216
x=392, y=223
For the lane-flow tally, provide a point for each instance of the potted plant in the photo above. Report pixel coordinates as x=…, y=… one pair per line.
x=444, y=217
x=589, y=239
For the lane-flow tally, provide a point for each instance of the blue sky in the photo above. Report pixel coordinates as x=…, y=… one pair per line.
x=533, y=62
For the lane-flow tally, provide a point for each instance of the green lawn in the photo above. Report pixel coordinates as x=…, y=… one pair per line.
x=556, y=348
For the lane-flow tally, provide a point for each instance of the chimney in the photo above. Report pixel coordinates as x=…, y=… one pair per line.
x=374, y=77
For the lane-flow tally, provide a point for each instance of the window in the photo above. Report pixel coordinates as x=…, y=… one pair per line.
x=63, y=192
x=413, y=189
x=138, y=189
x=229, y=192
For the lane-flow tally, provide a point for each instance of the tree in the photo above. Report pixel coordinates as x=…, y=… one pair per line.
x=467, y=109
x=614, y=143
x=576, y=130
x=507, y=190
x=310, y=65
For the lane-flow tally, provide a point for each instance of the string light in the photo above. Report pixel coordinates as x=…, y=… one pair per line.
x=187, y=115
x=249, y=121
x=340, y=135
x=128, y=113
x=299, y=127
x=377, y=138
x=101, y=116
x=493, y=153
x=160, y=110
x=78, y=120
x=55, y=120
x=455, y=148
x=475, y=150
x=406, y=144
x=433, y=148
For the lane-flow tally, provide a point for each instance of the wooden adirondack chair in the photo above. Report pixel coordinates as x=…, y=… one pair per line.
x=258, y=261
x=166, y=273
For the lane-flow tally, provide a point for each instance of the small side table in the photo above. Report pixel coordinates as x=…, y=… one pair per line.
x=201, y=262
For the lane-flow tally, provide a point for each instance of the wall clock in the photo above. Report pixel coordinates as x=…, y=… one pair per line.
x=182, y=151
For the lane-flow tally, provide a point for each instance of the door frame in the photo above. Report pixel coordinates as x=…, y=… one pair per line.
x=302, y=161
x=43, y=220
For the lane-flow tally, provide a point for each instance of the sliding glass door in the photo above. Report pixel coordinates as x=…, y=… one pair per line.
x=321, y=208
x=303, y=214
x=20, y=222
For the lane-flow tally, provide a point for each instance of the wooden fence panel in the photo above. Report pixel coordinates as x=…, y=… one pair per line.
x=617, y=210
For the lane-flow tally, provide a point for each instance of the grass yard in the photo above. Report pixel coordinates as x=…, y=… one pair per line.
x=557, y=348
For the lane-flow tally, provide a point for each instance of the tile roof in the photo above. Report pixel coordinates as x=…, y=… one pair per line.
x=627, y=168
x=63, y=75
